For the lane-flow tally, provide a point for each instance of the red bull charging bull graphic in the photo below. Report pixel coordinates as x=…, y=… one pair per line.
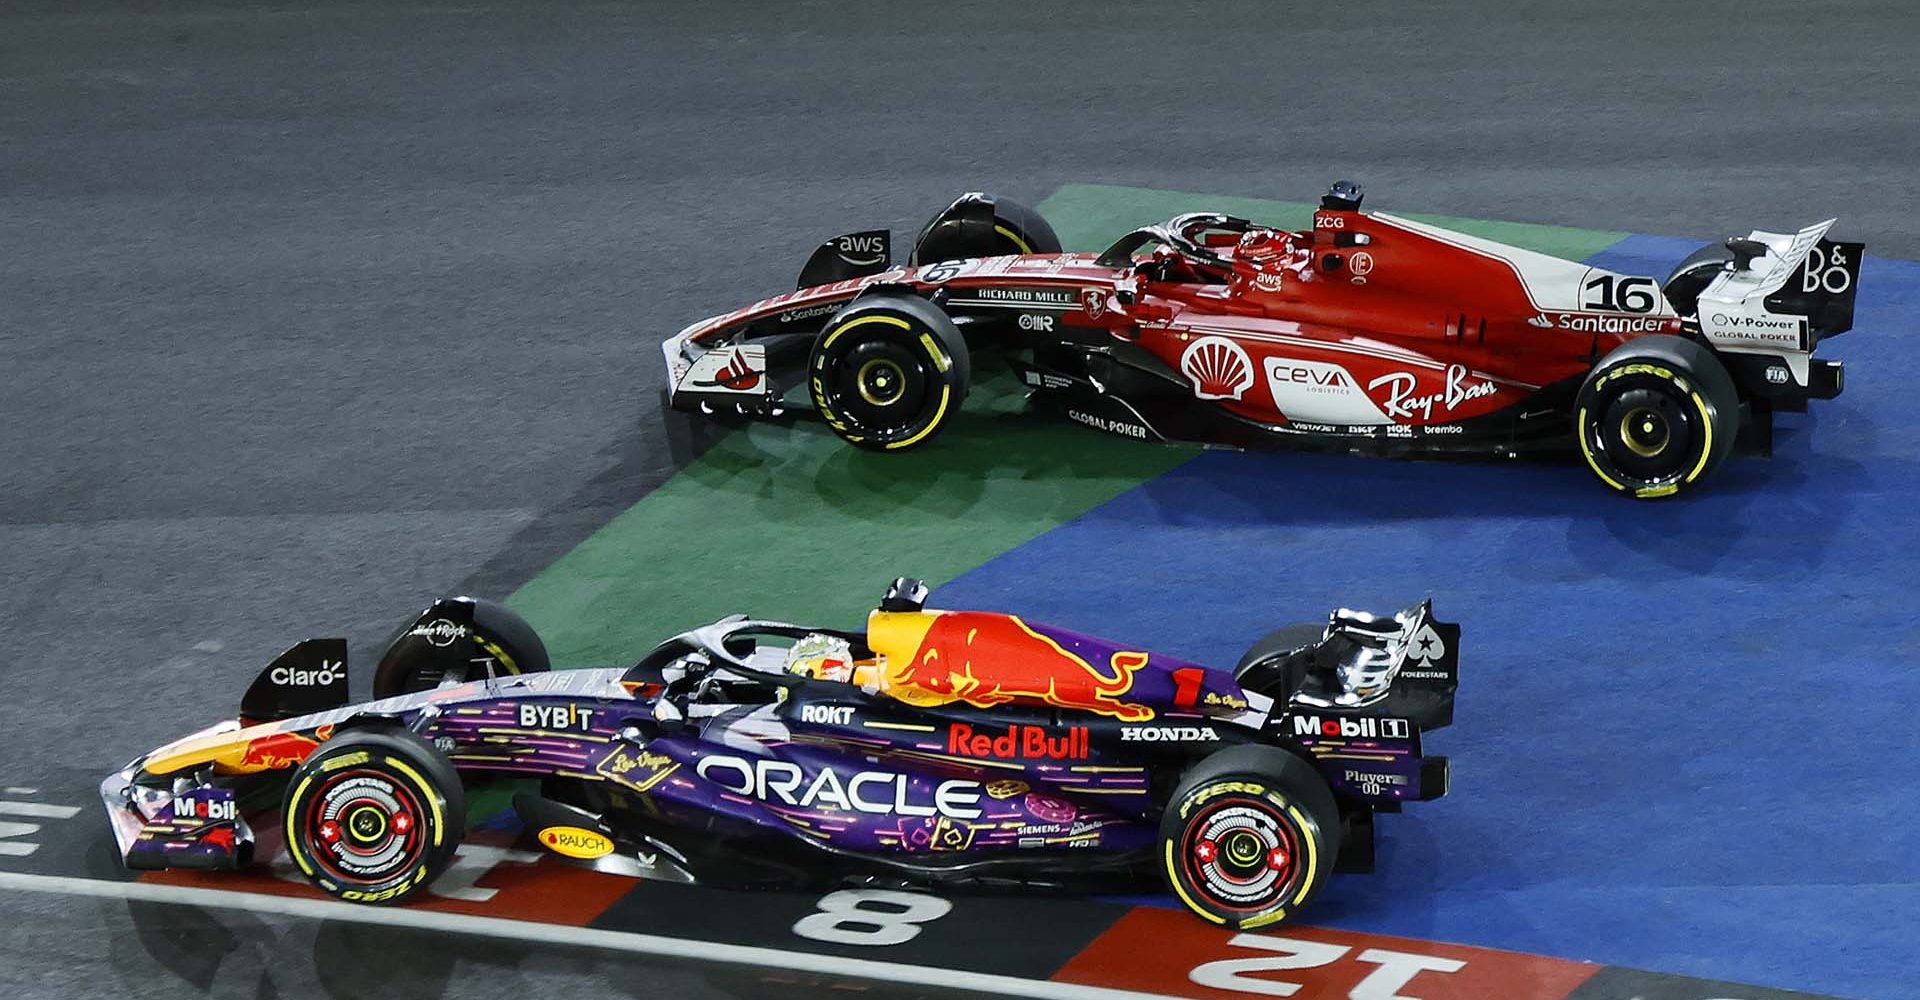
x=987, y=660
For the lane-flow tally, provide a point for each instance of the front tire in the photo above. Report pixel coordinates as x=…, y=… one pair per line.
x=374, y=816
x=1656, y=416
x=983, y=225
x=499, y=640
x=888, y=372
x=1249, y=836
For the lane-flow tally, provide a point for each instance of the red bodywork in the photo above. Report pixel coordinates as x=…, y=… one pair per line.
x=1364, y=322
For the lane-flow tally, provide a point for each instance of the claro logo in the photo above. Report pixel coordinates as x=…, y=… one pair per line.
x=329, y=672
x=878, y=792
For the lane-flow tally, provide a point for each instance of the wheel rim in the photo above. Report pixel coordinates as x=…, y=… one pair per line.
x=1645, y=431
x=1243, y=854
x=881, y=382
x=1646, y=435
x=883, y=388
x=364, y=827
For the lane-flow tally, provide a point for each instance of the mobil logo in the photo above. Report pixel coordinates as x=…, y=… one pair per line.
x=1351, y=727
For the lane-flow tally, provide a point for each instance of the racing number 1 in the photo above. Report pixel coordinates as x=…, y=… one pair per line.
x=1186, y=686
x=870, y=916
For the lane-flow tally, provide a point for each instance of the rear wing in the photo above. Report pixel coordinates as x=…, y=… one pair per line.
x=1784, y=291
x=1404, y=665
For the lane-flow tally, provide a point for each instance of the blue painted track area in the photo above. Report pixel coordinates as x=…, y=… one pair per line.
x=1686, y=732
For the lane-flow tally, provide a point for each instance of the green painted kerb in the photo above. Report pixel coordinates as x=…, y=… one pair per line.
x=790, y=523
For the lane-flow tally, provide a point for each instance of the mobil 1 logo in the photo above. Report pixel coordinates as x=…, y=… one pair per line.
x=1348, y=727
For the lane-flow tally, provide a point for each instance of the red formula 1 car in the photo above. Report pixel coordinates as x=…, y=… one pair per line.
x=1368, y=332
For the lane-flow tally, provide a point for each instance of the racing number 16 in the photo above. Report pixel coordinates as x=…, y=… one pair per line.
x=1617, y=294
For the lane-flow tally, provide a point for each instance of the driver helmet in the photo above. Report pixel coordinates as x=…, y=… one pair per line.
x=821, y=657
x=1268, y=255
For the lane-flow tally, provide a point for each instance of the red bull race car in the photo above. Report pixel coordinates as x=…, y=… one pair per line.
x=932, y=747
x=1368, y=333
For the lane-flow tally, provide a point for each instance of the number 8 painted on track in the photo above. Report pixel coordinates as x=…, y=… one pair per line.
x=848, y=917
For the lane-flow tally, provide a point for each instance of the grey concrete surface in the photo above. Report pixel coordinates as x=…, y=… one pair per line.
x=309, y=312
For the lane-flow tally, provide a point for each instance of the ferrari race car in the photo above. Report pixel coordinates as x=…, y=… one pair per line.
x=935, y=747
x=1367, y=333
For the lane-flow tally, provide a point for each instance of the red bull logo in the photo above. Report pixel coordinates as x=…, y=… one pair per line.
x=278, y=751
x=985, y=660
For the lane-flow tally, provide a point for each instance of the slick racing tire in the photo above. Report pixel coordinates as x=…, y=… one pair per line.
x=888, y=372
x=983, y=225
x=1249, y=836
x=1280, y=641
x=1692, y=276
x=1262, y=667
x=1656, y=416
x=374, y=816
x=498, y=635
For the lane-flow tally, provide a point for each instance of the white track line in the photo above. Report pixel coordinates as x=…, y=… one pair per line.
x=557, y=934
x=38, y=810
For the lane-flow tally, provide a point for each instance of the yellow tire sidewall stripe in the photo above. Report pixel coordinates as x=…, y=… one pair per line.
x=1582, y=423
x=1024, y=246
x=835, y=333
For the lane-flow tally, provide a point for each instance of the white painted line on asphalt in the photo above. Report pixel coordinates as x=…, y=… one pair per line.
x=16, y=848
x=516, y=930
x=18, y=790
x=38, y=810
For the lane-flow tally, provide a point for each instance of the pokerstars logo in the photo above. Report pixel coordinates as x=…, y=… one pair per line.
x=1351, y=728
x=1018, y=741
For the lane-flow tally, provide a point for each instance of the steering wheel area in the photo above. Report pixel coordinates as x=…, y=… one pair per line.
x=705, y=661
x=1181, y=234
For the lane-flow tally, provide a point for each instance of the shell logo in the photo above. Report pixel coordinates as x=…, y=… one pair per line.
x=1217, y=367
x=575, y=842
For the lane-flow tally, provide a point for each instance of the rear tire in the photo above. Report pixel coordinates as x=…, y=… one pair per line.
x=889, y=371
x=1656, y=416
x=1281, y=640
x=374, y=816
x=1249, y=836
x=1692, y=276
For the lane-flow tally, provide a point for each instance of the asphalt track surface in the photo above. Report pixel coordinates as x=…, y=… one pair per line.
x=308, y=312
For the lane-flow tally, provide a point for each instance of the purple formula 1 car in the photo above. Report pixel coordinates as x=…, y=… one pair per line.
x=935, y=747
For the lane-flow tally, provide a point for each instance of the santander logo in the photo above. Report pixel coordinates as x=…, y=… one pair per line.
x=1217, y=367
